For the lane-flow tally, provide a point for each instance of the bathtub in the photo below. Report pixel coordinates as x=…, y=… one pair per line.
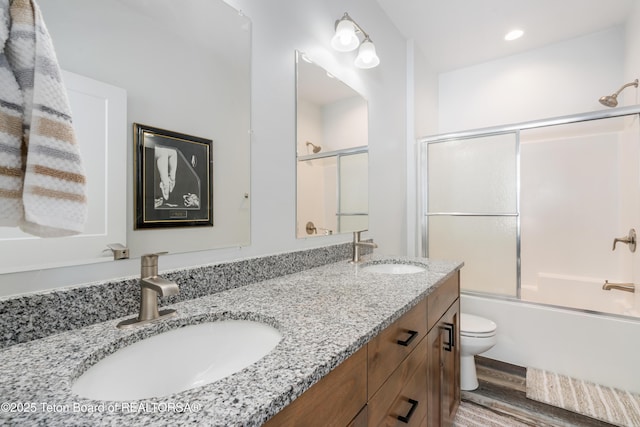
x=568, y=325
x=580, y=292
x=594, y=347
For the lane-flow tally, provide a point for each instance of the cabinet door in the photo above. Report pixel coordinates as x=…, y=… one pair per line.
x=394, y=344
x=443, y=360
x=434, y=376
x=402, y=400
x=450, y=331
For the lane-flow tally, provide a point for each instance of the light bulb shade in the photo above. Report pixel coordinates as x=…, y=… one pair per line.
x=345, y=39
x=367, y=57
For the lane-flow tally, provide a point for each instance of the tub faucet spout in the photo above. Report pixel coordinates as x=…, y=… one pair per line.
x=627, y=287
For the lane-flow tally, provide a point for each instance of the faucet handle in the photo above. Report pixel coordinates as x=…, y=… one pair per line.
x=149, y=260
x=630, y=240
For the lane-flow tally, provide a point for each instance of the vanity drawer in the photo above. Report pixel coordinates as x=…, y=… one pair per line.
x=393, y=345
x=404, y=394
x=439, y=301
x=334, y=400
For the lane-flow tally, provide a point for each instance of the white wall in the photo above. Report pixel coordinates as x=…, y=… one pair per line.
x=278, y=28
x=560, y=79
x=422, y=120
x=343, y=124
x=632, y=52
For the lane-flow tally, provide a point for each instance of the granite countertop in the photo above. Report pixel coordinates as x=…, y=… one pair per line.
x=324, y=314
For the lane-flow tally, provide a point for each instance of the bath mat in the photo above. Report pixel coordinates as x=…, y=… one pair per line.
x=618, y=407
x=471, y=415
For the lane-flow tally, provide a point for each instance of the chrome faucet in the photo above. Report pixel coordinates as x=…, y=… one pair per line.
x=627, y=287
x=151, y=287
x=357, y=244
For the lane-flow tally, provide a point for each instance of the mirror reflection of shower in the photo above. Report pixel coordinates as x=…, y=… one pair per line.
x=332, y=131
x=612, y=100
x=316, y=148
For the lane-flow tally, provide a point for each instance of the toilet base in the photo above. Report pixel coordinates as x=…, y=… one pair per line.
x=468, y=376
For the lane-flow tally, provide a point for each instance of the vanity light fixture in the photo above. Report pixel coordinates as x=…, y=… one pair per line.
x=346, y=39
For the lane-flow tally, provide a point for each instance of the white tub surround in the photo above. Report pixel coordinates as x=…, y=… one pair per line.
x=325, y=315
x=584, y=293
x=592, y=347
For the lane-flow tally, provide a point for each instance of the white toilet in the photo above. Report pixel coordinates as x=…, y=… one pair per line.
x=477, y=335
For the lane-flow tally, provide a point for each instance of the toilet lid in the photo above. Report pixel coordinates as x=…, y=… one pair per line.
x=476, y=325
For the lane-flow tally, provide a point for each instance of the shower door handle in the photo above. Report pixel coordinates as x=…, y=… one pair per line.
x=629, y=240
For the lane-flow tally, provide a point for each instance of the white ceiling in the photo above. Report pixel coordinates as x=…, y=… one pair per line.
x=459, y=33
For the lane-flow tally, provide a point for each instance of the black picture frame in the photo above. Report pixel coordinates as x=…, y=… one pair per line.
x=173, y=179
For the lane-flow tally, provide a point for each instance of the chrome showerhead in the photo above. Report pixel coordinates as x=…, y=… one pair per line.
x=316, y=148
x=609, y=101
x=612, y=100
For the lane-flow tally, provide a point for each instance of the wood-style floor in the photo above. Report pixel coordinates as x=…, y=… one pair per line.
x=502, y=392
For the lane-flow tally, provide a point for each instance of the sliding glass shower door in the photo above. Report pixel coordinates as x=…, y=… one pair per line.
x=472, y=209
x=533, y=209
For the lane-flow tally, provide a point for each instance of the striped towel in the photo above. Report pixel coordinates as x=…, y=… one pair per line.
x=42, y=181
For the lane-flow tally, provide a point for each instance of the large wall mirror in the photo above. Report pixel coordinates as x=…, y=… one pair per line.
x=183, y=67
x=332, y=153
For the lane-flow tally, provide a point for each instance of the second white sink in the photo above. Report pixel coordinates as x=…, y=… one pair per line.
x=393, y=268
x=178, y=360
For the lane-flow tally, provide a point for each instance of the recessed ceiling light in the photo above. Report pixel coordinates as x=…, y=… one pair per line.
x=514, y=34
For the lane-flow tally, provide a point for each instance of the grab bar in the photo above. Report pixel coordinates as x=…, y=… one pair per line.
x=627, y=287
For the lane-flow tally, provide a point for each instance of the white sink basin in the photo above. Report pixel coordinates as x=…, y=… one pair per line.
x=392, y=268
x=177, y=360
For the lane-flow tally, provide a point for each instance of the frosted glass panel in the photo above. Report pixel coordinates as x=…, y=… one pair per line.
x=354, y=178
x=353, y=223
x=354, y=192
x=570, y=203
x=487, y=245
x=473, y=175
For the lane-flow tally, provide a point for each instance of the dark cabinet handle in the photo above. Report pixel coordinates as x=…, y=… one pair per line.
x=405, y=419
x=451, y=331
x=412, y=335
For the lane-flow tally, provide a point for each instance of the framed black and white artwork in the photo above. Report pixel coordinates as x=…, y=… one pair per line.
x=173, y=179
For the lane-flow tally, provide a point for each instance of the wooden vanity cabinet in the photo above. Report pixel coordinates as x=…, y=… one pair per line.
x=408, y=375
x=402, y=399
x=397, y=370
x=335, y=400
x=389, y=348
x=443, y=359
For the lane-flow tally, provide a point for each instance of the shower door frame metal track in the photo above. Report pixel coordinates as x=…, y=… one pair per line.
x=422, y=142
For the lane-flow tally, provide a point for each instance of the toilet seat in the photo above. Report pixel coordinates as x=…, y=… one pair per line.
x=476, y=326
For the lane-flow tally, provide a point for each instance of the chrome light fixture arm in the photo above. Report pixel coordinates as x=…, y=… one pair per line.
x=347, y=17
